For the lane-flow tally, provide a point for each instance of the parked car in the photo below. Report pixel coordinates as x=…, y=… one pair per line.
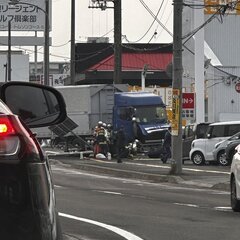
x=219, y=150
x=27, y=202
x=235, y=181
x=202, y=149
x=231, y=149
x=191, y=132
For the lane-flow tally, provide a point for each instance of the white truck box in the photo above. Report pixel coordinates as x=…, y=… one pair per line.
x=86, y=105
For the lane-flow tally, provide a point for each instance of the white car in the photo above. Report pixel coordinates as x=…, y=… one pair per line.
x=202, y=149
x=235, y=181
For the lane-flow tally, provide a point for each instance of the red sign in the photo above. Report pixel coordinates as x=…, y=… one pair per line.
x=188, y=100
x=237, y=87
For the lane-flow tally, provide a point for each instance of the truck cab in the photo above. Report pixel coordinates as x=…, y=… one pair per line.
x=143, y=116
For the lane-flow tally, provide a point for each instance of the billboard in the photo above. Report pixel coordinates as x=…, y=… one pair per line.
x=27, y=15
x=213, y=5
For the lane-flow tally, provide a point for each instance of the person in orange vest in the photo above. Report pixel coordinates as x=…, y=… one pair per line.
x=96, y=146
x=102, y=141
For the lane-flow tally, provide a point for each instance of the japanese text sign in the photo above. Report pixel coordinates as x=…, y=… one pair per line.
x=27, y=15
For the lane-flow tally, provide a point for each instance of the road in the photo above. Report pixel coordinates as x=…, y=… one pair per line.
x=94, y=207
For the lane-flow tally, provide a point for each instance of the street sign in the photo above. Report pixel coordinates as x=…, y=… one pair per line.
x=175, y=111
x=188, y=100
x=237, y=87
x=27, y=15
x=212, y=6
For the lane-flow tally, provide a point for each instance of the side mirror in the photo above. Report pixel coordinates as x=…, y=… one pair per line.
x=37, y=105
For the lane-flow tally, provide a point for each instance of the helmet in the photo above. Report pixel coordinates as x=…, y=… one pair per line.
x=104, y=125
x=100, y=123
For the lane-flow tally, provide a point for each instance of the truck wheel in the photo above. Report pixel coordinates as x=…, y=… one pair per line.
x=198, y=158
x=235, y=203
x=77, y=143
x=221, y=158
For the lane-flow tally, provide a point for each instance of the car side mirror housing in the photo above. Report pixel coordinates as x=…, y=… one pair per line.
x=37, y=105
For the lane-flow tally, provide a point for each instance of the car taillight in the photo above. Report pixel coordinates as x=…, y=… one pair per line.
x=9, y=143
x=6, y=127
x=16, y=143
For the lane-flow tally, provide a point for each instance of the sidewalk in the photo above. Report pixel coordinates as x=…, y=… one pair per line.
x=214, y=177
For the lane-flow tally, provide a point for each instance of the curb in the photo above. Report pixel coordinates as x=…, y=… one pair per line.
x=129, y=173
x=225, y=186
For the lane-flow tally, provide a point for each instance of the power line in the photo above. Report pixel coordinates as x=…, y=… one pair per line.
x=150, y=25
x=152, y=14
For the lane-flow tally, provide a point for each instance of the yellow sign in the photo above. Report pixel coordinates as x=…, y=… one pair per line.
x=175, y=111
x=212, y=6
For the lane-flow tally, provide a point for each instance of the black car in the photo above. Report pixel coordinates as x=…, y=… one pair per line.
x=27, y=202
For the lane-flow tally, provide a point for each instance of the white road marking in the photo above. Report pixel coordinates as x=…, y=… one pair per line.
x=119, y=231
x=68, y=171
x=58, y=186
x=224, y=209
x=187, y=205
x=134, y=181
x=165, y=167
x=108, y=192
x=185, y=169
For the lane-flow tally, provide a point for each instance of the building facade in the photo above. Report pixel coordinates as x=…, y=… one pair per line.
x=221, y=63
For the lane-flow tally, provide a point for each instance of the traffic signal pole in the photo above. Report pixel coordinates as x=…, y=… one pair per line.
x=176, y=163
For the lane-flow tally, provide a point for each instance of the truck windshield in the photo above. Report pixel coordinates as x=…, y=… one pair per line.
x=150, y=114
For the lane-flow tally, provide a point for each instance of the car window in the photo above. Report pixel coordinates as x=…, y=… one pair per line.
x=188, y=131
x=201, y=130
x=232, y=129
x=218, y=131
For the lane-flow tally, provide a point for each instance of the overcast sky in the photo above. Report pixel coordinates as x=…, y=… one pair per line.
x=136, y=21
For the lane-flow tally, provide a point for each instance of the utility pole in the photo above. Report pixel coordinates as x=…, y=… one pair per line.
x=46, y=45
x=35, y=58
x=72, y=68
x=117, y=77
x=9, y=61
x=102, y=4
x=176, y=164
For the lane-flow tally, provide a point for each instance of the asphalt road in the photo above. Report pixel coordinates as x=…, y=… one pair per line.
x=94, y=206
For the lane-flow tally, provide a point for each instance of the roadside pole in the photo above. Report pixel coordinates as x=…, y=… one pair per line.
x=73, y=57
x=176, y=163
x=117, y=76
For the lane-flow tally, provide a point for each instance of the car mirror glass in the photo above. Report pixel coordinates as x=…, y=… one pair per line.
x=37, y=105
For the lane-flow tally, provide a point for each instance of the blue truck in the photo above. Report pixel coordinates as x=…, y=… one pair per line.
x=142, y=114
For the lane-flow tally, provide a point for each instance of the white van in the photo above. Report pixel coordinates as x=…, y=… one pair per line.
x=202, y=149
